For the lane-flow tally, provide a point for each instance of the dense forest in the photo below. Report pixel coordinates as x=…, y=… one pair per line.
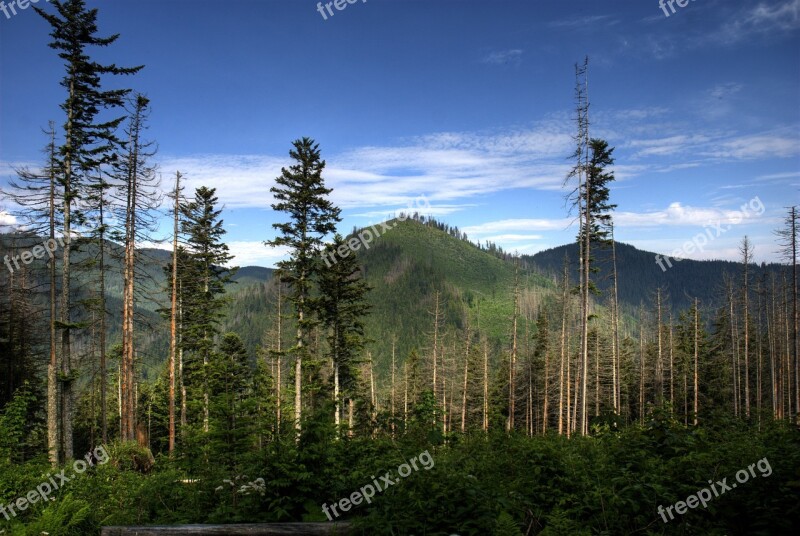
x=581, y=390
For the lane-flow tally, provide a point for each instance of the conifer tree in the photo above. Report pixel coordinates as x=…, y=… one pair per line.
x=591, y=197
x=301, y=193
x=231, y=409
x=87, y=144
x=203, y=280
x=342, y=309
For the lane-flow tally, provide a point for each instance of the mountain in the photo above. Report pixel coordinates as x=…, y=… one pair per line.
x=406, y=265
x=640, y=275
x=251, y=275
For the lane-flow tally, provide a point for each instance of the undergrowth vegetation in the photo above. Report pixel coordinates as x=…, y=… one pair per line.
x=609, y=483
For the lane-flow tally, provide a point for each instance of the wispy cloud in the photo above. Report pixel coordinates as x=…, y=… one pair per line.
x=723, y=91
x=713, y=24
x=453, y=170
x=522, y=224
x=513, y=237
x=766, y=18
x=412, y=207
x=241, y=180
x=678, y=214
x=667, y=146
x=582, y=22
x=758, y=146
x=720, y=102
x=444, y=167
x=503, y=57
x=779, y=176
x=714, y=146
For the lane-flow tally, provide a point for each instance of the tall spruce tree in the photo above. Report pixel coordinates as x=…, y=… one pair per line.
x=301, y=193
x=203, y=279
x=87, y=144
x=595, y=217
x=231, y=408
x=342, y=308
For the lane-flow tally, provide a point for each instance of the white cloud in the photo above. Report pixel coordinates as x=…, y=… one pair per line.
x=513, y=237
x=723, y=91
x=240, y=180
x=758, y=146
x=779, y=176
x=7, y=220
x=245, y=253
x=522, y=224
x=503, y=57
x=443, y=167
x=255, y=253
x=725, y=248
x=640, y=114
x=582, y=22
x=411, y=208
x=711, y=147
x=677, y=214
x=667, y=146
x=9, y=169
x=766, y=18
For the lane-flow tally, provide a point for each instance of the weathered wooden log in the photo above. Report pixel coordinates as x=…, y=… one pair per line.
x=250, y=529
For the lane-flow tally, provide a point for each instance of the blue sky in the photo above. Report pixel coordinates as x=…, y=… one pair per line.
x=465, y=103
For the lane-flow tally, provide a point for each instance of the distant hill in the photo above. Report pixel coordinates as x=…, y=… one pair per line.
x=406, y=266
x=251, y=275
x=640, y=275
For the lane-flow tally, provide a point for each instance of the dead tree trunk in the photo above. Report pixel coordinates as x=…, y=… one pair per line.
x=173, y=324
x=747, y=257
x=696, y=361
x=512, y=387
x=466, y=378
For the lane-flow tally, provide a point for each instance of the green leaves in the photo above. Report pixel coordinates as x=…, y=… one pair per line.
x=66, y=517
x=15, y=424
x=479, y=486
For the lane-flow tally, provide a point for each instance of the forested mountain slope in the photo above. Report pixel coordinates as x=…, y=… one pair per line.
x=407, y=266
x=640, y=275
